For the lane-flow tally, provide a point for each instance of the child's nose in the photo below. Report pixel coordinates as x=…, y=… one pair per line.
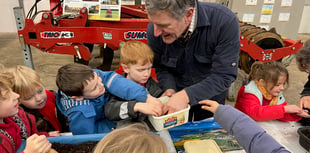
x=37, y=97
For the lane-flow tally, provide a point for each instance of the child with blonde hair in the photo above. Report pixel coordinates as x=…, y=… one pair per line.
x=136, y=61
x=15, y=124
x=38, y=101
x=134, y=138
x=262, y=97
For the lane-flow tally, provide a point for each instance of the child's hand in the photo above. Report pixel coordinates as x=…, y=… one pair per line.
x=148, y=108
x=304, y=102
x=155, y=101
x=304, y=113
x=37, y=144
x=292, y=109
x=209, y=105
x=54, y=133
x=168, y=92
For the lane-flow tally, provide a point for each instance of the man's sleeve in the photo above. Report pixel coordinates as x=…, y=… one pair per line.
x=306, y=90
x=224, y=64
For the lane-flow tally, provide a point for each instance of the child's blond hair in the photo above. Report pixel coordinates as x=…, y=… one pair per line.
x=26, y=80
x=134, y=138
x=6, y=83
x=133, y=52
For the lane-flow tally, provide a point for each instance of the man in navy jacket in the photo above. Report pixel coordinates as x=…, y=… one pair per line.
x=196, y=48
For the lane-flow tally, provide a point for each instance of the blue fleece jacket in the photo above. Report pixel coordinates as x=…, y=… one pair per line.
x=87, y=116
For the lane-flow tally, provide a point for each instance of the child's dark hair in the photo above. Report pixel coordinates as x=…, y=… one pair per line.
x=269, y=72
x=303, y=57
x=72, y=78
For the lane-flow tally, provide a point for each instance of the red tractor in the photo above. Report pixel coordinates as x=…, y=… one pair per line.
x=75, y=35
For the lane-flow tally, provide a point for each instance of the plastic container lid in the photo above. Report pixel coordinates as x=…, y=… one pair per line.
x=202, y=146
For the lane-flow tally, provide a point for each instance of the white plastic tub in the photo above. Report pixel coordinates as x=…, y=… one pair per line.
x=169, y=120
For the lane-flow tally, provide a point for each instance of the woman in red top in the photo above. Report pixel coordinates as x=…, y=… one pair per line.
x=262, y=97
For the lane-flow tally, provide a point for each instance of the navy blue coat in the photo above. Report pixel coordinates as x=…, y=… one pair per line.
x=207, y=64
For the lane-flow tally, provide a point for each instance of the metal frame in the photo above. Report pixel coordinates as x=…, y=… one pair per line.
x=20, y=18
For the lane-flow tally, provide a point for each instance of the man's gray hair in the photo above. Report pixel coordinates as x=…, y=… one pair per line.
x=176, y=8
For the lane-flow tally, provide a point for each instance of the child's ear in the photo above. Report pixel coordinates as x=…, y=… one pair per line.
x=125, y=68
x=77, y=98
x=261, y=82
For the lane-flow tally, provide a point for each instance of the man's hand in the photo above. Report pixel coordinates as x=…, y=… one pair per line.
x=168, y=92
x=176, y=102
x=304, y=102
x=304, y=113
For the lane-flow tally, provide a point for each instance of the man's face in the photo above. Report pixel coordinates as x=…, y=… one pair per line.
x=168, y=27
x=94, y=87
x=137, y=72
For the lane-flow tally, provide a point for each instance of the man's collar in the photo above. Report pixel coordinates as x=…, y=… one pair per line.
x=192, y=26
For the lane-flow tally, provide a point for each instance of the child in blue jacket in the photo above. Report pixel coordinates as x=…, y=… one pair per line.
x=82, y=95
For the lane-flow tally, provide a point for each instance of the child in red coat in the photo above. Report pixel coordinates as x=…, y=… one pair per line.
x=34, y=99
x=262, y=97
x=15, y=124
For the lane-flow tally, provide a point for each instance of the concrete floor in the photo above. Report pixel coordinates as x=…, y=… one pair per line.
x=47, y=64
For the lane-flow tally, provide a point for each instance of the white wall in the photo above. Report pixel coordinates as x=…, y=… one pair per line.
x=305, y=21
x=7, y=23
x=7, y=14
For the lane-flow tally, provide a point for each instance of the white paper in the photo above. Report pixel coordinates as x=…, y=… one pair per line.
x=251, y=2
x=97, y=9
x=265, y=18
x=286, y=2
x=248, y=17
x=284, y=16
x=269, y=1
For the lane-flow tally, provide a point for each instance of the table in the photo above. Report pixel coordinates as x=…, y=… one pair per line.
x=285, y=133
